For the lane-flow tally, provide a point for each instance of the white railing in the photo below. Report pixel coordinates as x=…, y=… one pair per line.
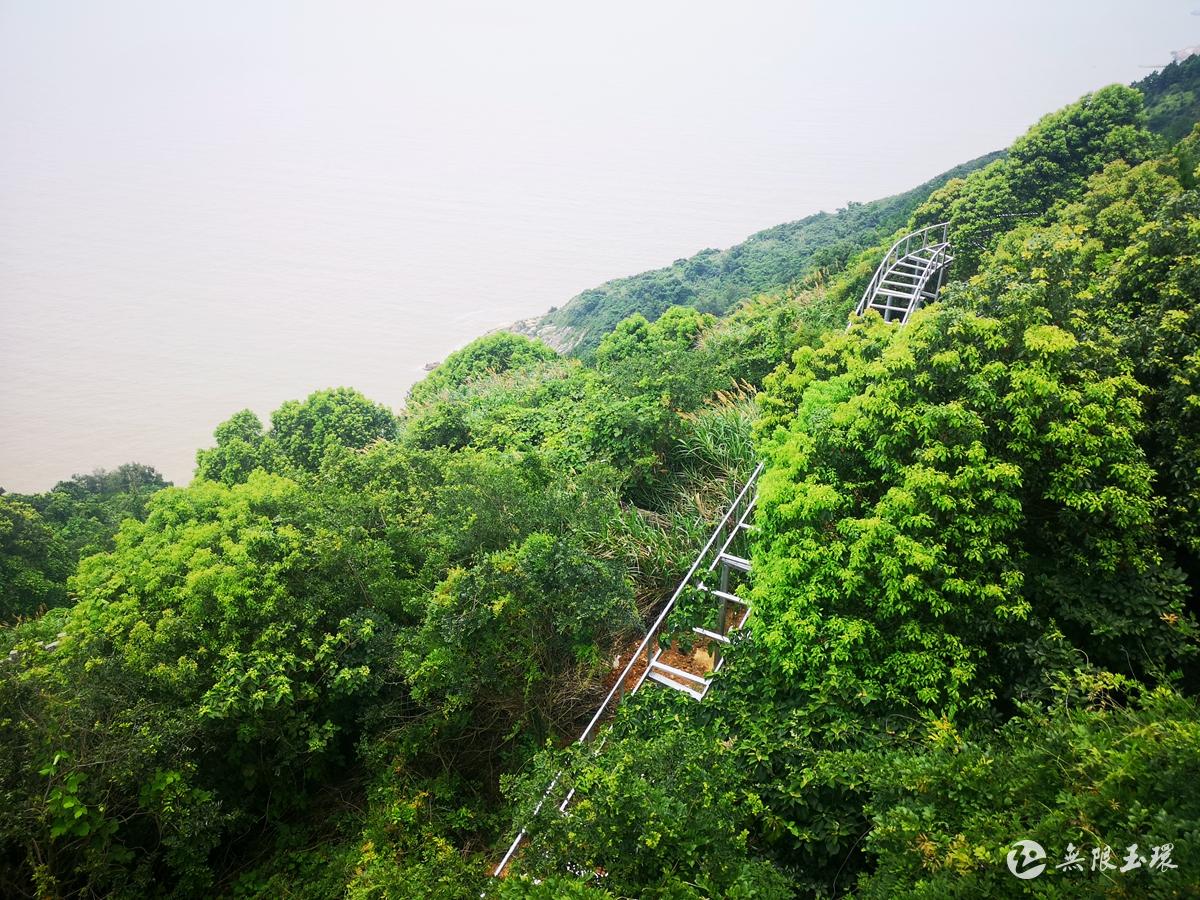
x=930, y=236
x=720, y=541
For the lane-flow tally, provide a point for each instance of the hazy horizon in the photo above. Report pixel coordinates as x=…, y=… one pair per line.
x=210, y=207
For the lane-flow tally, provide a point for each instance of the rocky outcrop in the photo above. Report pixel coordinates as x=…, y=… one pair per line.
x=562, y=338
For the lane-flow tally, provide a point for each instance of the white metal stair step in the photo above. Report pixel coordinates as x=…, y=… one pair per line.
x=711, y=635
x=675, y=685
x=723, y=595
x=680, y=673
x=734, y=562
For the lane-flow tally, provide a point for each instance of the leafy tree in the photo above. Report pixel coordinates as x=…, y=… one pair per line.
x=301, y=433
x=46, y=534
x=525, y=597
x=334, y=417
x=489, y=355
x=543, y=406
x=621, y=409
x=759, y=334
x=34, y=562
x=502, y=636
x=1022, y=429
x=211, y=668
x=955, y=503
x=1125, y=251
x=1049, y=163
x=1172, y=97
x=1150, y=230
x=242, y=446
x=656, y=360
x=947, y=809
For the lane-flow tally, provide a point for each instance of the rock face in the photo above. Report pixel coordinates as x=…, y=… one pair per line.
x=562, y=338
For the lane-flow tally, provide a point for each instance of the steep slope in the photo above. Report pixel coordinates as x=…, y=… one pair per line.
x=715, y=280
x=1173, y=98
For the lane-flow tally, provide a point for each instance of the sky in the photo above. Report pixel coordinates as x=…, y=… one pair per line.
x=219, y=205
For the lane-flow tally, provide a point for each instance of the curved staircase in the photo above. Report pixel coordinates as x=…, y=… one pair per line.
x=911, y=273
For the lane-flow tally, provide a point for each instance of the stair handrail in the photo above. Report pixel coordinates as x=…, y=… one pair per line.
x=652, y=632
x=892, y=257
x=936, y=262
x=734, y=515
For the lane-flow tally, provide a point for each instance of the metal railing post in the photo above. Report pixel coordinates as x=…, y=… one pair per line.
x=645, y=648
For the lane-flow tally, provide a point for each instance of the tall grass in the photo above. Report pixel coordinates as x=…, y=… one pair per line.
x=710, y=461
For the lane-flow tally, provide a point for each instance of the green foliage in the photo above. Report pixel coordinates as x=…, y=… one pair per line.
x=1126, y=251
x=412, y=841
x=405, y=842
x=503, y=636
x=1172, y=98
x=655, y=360
x=945, y=811
x=42, y=536
x=301, y=433
x=489, y=355
x=1154, y=279
x=758, y=335
x=964, y=515
x=622, y=408
x=1049, y=163
x=667, y=816
x=956, y=504
x=544, y=406
x=86, y=510
x=242, y=446
x=715, y=441
x=34, y=562
x=336, y=417
x=205, y=675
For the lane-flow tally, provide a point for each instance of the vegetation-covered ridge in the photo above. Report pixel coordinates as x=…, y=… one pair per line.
x=786, y=255
x=715, y=280
x=350, y=654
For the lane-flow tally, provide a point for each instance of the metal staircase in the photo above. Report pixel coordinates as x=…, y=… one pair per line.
x=716, y=560
x=911, y=273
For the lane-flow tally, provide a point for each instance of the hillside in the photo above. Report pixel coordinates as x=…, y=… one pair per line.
x=715, y=280
x=1173, y=98
x=351, y=656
